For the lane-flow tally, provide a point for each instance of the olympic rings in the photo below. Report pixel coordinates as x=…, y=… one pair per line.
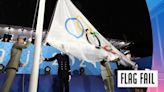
x=90, y=35
x=79, y=26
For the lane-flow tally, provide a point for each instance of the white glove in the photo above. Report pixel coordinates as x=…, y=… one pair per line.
x=41, y=59
x=30, y=39
x=69, y=77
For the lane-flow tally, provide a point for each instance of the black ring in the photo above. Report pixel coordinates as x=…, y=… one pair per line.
x=99, y=43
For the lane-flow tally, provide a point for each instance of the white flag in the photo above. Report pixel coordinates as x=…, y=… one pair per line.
x=72, y=33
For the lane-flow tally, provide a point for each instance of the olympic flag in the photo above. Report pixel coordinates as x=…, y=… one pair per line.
x=72, y=33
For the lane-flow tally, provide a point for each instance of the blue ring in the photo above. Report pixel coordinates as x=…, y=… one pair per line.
x=70, y=31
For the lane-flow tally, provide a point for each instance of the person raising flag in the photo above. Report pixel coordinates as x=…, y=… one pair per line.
x=14, y=62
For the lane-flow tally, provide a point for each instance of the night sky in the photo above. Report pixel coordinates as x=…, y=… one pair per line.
x=120, y=19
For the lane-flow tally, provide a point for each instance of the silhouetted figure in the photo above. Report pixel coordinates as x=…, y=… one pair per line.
x=82, y=71
x=64, y=71
x=6, y=37
x=47, y=70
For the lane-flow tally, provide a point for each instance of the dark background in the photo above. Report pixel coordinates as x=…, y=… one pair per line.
x=119, y=19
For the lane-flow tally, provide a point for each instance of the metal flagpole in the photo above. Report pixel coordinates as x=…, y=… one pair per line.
x=38, y=41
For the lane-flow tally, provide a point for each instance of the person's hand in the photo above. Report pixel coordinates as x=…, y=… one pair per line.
x=117, y=59
x=22, y=65
x=30, y=39
x=69, y=77
x=135, y=67
x=42, y=59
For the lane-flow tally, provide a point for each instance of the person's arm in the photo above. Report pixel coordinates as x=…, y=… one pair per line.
x=21, y=46
x=108, y=69
x=68, y=65
x=69, y=69
x=51, y=59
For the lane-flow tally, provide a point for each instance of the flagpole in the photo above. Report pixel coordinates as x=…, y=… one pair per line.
x=37, y=51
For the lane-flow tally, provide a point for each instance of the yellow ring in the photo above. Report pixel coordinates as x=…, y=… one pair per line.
x=90, y=29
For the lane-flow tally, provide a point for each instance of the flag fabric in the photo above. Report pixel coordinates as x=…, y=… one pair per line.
x=72, y=33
